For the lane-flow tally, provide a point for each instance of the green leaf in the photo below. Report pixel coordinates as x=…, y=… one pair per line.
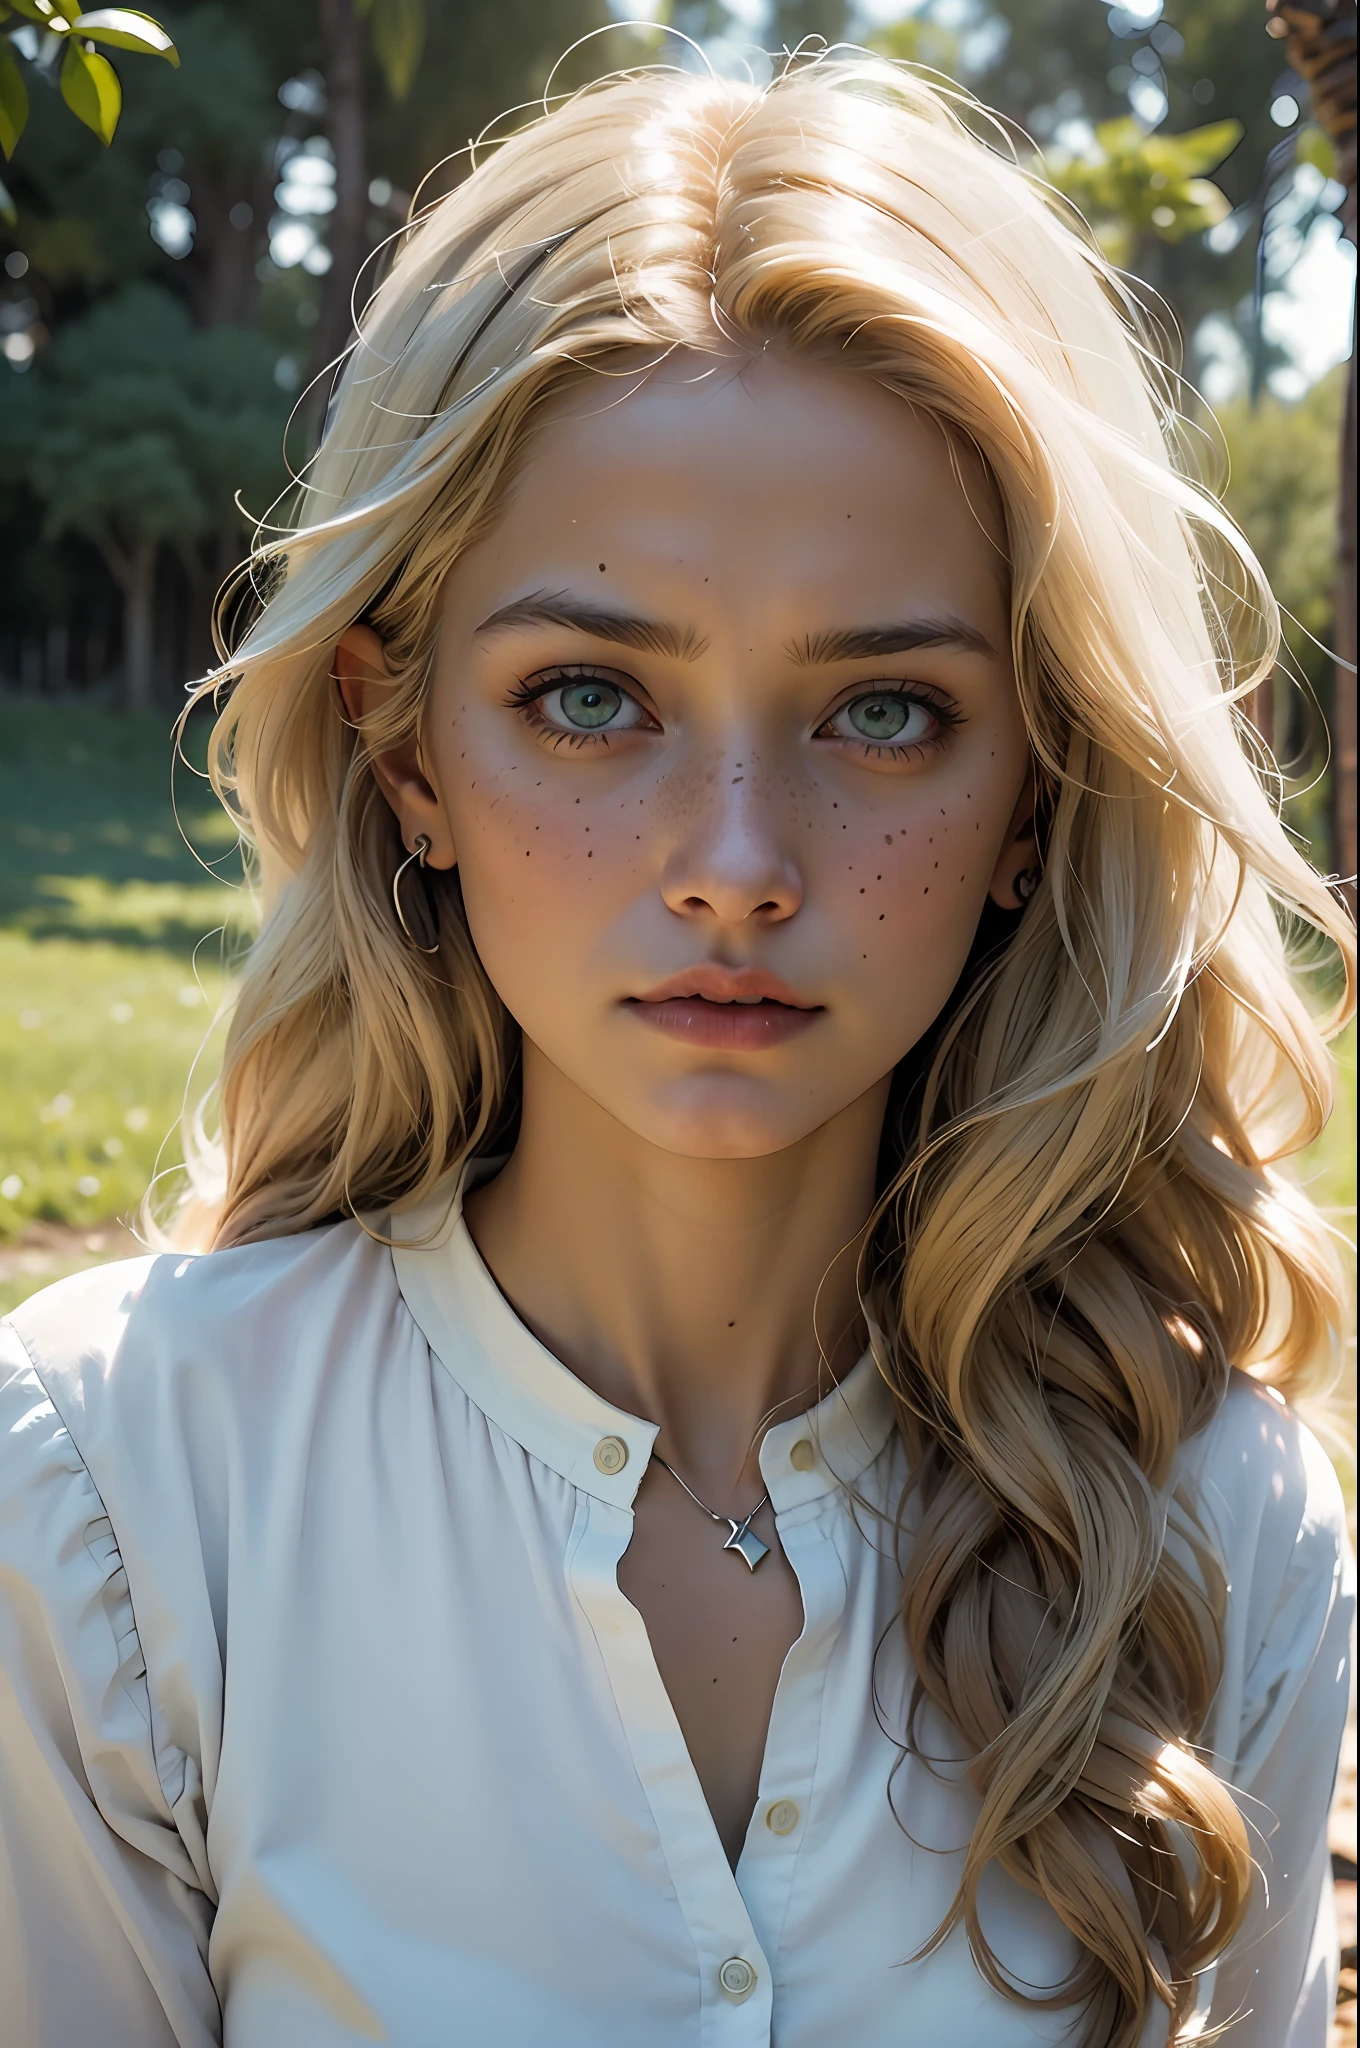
x=30, y=11
x=90, y=88
x=1197, y=152
x=9, y=212
x=126, y=28
x=398, y=33
x=1316, y=147
x=13, y=100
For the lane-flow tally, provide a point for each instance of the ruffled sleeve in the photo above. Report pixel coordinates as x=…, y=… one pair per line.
x=1270, y=1495
x=105, y=1899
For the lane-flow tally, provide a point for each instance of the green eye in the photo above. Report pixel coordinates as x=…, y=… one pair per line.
x=879, y=718
x=590, y=703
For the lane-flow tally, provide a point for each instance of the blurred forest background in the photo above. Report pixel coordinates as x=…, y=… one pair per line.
x=170, y=302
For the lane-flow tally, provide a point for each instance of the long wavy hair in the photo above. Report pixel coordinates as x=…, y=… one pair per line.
x=1087, y=1221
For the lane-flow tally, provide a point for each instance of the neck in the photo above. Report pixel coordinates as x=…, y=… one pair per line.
x=710, y=1296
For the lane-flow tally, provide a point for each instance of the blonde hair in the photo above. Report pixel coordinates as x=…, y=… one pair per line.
x=1090, y=1188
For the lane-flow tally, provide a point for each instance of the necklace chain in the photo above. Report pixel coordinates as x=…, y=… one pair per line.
x=743, y=1539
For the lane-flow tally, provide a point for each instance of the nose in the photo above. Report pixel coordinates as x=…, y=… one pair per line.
x=729, y=863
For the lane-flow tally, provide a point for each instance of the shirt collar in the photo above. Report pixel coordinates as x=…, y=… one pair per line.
x=518, y=1384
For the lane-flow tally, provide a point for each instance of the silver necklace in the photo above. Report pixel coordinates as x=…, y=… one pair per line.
x=743, y=1538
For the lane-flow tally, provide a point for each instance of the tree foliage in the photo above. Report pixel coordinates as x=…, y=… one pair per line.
x=59, y=35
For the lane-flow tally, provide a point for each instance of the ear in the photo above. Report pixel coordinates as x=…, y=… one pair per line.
x=360, y=668
x=1019, y=865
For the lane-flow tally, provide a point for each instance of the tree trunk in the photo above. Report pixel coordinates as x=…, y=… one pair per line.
x=1320, y=41
x=136, y=573
x=343, y=59
x=224, y=287
x=1344, y=636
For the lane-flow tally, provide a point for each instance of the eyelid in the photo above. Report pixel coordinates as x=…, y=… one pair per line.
x=937, y=701
x=894, y=686
x=559, y=673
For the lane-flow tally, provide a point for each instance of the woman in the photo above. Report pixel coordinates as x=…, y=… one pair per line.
x=726, y=1474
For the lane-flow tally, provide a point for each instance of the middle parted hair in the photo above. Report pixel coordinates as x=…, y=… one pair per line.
x=1087, y=1225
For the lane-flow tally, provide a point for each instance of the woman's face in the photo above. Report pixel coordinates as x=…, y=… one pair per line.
x=724, y=737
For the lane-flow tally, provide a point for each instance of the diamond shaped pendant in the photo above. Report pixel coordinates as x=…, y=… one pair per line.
x=747, y=1544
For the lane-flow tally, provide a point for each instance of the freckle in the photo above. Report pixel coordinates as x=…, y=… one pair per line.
x=731, y=1326
x=602, y=568
x=925, y=892
x=880, y=916
x=861, y=891
x=738, y=778
x=878, y=878
x=887, y=838
x=591, y=856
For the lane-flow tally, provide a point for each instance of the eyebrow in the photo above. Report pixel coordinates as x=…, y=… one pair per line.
x=861, y=643
x=623, y=629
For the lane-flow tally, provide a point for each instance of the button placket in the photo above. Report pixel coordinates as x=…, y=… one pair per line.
x=706, y=1889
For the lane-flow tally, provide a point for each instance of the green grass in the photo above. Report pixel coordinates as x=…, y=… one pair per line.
x=111, y=961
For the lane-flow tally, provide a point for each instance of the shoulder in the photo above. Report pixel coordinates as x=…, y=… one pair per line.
x=178, y=1352
x=1261, y=1481
x=1258, y=1484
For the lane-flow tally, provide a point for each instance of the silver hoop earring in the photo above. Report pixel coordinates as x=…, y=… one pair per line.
x=422, y=848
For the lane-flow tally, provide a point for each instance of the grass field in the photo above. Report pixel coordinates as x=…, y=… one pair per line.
x=111, y=949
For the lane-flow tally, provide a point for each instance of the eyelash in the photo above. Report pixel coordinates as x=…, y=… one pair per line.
x=941, y=708
x=527, y=690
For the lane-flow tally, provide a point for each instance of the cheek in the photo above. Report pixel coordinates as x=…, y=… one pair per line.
x=905, y=898
x=916, y=869
x=544, y=873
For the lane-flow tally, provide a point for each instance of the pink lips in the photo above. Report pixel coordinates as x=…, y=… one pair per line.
x=728, y=1009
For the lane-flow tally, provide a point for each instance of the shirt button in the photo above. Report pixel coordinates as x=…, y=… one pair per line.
x=782, y=1817
x=611, y=1454
x=737, y=1978
x=802, y=1457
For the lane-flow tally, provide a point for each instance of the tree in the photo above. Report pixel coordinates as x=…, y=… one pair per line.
x=53, y=35
x=135, y=433
x=1320, y=36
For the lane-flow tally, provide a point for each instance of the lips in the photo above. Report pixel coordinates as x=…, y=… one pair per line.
x=712, y=983
x=726, y=1009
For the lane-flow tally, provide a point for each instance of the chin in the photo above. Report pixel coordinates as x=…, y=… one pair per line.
x=716, y=1119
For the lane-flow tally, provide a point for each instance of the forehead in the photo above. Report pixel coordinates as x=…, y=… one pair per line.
x=762, y=483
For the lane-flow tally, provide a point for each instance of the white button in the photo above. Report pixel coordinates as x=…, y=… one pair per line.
x=802, y=1457
x=782, y=1817
x=737, y=1978
x=611, y=1454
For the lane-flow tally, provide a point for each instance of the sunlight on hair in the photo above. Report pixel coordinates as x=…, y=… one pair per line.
x=1091, y=1181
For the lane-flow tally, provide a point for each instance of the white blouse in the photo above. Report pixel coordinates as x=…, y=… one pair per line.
x=323, y=1719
